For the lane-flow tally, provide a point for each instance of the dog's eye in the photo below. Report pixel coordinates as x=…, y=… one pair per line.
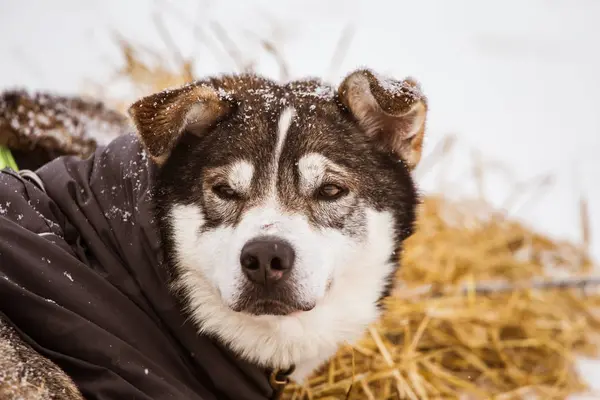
x=225, y=192
x=331, y=192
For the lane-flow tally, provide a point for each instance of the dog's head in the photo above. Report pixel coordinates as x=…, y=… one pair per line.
x=283, y=207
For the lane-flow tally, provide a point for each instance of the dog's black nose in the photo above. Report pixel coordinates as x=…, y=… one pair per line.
x=267, y=260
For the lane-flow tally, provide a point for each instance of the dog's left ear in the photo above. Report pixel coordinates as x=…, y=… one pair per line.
x=163, y=117
x=392, y=112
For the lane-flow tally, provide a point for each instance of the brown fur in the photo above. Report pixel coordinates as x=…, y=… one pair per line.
x=393, y=111
x=39, y=127
x=361, y=142
x=160, y=118
x=25, y=374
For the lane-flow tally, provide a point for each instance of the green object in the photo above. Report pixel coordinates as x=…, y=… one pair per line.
x=6, y=159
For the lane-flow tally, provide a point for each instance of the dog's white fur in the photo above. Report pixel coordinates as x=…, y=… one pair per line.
x=313, y=169
x=209, y=265
x=341, y=275
x=240, y=176
x=285, y=121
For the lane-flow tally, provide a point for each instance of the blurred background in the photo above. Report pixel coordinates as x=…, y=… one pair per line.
x=516, y=82
x=513, y=86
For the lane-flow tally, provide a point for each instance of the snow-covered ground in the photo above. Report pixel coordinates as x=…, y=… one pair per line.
x=519, y=81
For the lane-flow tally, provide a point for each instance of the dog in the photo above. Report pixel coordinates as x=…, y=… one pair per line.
x=282, y=207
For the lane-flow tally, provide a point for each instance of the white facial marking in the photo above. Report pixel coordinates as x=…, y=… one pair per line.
x=312, y=169
x=285, y=121
x=240, y=175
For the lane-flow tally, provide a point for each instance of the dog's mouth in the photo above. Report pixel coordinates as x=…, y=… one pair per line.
x=270, y=307
x=279, y=300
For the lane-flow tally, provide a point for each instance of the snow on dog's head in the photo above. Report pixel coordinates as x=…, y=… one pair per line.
x=283, y=207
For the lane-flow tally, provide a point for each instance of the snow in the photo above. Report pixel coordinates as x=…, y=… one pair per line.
x=398, y=88
x=68, y=276
x=517, y=82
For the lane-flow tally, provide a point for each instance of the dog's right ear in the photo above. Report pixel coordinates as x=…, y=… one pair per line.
x=391, y=112
x=161, y=118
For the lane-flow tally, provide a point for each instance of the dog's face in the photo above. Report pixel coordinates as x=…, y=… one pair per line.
x=282, y=203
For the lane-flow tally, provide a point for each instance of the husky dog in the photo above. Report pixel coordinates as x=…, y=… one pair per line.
x=283, y=208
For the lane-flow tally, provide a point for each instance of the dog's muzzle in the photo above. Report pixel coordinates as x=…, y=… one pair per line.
x=268, y=262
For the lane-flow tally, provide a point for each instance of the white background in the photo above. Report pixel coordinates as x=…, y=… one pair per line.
x=517, y=80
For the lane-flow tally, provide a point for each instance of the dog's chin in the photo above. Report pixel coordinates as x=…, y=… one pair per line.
x=270, y=307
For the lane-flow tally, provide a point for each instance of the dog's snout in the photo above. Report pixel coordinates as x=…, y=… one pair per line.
x=267, y=260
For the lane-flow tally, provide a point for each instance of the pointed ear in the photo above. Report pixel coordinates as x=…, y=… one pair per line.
x=392, y=112
x=161, y=118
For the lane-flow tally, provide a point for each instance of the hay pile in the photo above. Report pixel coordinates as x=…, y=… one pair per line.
x=444, y=336
x=473, y=316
